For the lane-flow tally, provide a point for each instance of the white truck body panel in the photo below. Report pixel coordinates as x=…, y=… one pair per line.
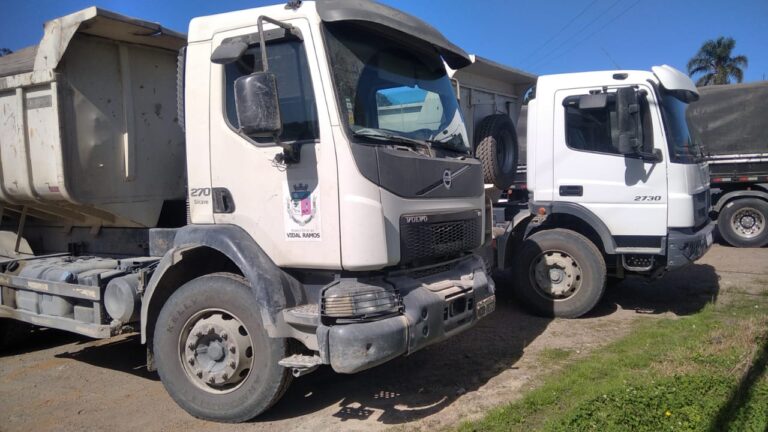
x=261, y=185
x=85, y=133
x=612, y=183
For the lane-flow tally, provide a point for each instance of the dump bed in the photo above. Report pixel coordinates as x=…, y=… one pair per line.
x=89, y=134
x=488, y=88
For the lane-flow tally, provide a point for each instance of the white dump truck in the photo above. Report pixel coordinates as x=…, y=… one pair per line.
x=610, y=182
x=255, y=209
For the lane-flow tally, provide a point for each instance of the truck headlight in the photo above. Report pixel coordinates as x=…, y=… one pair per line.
x=354, y=299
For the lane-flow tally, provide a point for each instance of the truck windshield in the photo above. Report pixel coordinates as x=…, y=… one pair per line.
x=682, y=147
x=393, y=92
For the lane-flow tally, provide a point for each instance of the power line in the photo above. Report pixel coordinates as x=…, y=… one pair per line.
x=610, y=58
x=602, y=14
x=531, y=54
x=609, y=22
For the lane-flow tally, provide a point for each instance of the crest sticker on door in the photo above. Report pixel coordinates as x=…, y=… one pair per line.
x=302, y=212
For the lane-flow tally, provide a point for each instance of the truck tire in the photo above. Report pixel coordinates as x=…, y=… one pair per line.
x=213, y=354
x=742, y=222
x=559, y=273
x=496, y=147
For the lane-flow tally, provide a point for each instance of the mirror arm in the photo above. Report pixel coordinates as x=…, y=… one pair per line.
x=262, y=42
x=654, y=156
x=291, y=152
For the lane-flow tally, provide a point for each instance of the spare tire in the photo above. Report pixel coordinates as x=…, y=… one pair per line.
x=496, y=147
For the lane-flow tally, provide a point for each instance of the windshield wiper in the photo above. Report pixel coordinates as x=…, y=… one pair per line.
x=378, y=134
x=446, y=143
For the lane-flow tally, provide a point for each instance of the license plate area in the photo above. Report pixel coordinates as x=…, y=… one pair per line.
x=459, y=309
x=486, y=306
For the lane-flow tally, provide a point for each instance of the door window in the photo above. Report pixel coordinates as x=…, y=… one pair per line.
x=596, y=129
x=288, y=61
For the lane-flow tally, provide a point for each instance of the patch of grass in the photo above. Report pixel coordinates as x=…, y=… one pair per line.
x=706, y=371
x=554, y=354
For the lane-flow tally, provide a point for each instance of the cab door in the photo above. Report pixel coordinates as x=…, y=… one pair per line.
x=290, y=210
x=629, y=195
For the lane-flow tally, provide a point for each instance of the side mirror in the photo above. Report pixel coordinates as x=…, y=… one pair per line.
x=257, y=105
x=230, y=52
x=629, y=124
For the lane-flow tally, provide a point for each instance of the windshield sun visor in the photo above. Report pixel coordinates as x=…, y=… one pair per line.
x=388, y=20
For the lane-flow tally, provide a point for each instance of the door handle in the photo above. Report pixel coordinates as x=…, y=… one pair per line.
x=223, y=201
x=571, y=190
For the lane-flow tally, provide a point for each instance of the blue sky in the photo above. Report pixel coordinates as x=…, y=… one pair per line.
x=540, y=36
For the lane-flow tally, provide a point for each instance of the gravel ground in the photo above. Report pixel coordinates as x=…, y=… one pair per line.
x=61, y=382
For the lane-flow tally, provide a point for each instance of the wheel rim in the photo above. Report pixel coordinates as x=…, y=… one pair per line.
x=555, y=274
x=216, y=351
x=748, y=222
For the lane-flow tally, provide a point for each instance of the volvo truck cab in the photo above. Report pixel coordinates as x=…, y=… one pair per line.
x=323, y=227
x=616, y=186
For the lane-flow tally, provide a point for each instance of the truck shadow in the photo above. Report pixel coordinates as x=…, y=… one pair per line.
x=38, y=339
x=123, y=353
x=681, y=292
x=422, y=384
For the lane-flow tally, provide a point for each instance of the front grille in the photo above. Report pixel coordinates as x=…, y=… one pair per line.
x=436, y=236
x=701, y=205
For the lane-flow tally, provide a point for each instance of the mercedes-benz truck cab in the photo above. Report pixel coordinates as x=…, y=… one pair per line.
x=616, y=187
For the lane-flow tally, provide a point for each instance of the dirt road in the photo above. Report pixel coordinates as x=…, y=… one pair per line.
x=58, y=382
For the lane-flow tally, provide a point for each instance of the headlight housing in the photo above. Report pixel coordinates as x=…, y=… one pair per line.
x=353, y=299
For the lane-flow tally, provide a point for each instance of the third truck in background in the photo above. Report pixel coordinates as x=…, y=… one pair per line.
x=729, y=123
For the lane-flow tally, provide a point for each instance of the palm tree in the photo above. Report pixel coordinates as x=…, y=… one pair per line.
x=715, y=62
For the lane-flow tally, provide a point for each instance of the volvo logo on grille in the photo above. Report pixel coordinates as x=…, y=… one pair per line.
x=416, y=219
x=447, y=179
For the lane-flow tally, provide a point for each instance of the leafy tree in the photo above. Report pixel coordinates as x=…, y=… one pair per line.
x=716, y=62
x=4, y=51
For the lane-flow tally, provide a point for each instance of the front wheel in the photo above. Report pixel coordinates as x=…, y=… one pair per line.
x=559, y=273
x=742, y=222
x=213, y=354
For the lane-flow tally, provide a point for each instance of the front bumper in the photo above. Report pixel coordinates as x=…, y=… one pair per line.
x=684, y=248
x=435, y=307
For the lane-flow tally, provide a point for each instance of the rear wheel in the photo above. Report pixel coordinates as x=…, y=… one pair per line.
x=213, y=354
x=742, y=222
x=559, y=273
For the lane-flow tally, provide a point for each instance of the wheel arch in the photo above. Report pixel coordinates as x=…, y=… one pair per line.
x=732, y=196
x=568, y=216
x=205, y=249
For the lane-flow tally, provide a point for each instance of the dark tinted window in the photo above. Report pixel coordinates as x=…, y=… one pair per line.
x=596, y=129
x=288, y=61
